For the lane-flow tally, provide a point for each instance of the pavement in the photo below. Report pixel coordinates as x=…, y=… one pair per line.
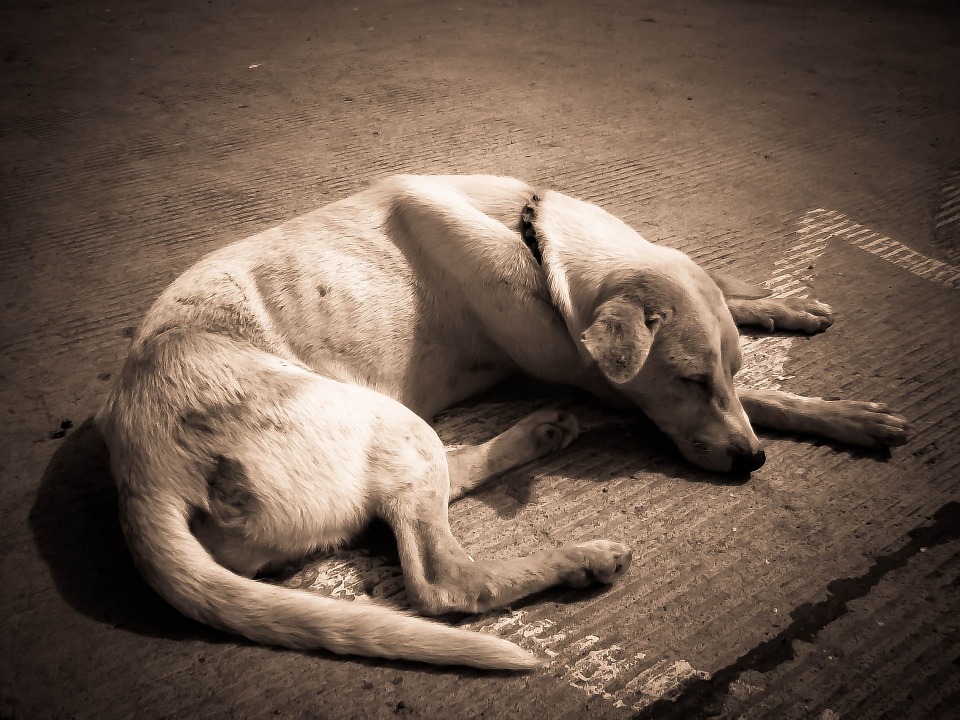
x=812, y=146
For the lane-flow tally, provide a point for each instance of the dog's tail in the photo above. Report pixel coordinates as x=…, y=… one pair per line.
x=179, y=568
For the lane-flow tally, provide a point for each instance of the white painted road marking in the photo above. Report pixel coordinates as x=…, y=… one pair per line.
x=821, y=225
x=949, y=212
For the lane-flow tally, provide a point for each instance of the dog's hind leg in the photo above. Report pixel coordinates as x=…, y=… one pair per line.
x=541, y=432
x=858, y=423
x=440, y=576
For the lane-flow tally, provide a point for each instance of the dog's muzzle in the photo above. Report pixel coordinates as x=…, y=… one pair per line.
x=744, y=464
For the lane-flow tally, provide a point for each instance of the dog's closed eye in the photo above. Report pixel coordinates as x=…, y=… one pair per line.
x=701, y=382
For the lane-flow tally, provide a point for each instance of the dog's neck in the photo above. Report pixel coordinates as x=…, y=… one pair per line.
x=528, y=233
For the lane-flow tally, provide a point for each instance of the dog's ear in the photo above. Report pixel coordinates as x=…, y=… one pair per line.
x=732, y=287
x=620, y=337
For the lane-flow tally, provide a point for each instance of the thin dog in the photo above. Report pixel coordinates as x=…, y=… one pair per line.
x=275, y=399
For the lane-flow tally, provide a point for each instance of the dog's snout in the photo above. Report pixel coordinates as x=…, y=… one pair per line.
x=746, y=463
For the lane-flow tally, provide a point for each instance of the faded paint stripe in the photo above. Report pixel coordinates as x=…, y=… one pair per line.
x=824, y=223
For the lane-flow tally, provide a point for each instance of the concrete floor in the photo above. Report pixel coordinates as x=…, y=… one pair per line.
x=810, y=145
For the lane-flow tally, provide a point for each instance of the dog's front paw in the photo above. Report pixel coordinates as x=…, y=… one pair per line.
x=801, y=314
x=597, y=561
x=813, y=315
x=867, y=424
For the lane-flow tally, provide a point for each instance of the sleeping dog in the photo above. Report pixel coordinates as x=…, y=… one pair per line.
x=276, y=398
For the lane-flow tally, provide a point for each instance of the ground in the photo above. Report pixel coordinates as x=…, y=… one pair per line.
x=812, y=146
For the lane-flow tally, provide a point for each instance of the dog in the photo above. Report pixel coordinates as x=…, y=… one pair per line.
x=275, y=399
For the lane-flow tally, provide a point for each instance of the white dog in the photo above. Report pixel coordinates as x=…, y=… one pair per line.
x=276, y=398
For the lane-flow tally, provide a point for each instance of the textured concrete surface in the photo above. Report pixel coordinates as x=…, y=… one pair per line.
x=810, y=145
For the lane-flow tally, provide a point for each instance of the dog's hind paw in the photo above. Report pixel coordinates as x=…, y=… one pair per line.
x=548, y=430
x=595, y=561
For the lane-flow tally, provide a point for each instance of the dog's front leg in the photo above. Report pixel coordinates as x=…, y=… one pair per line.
x=865, y=424
x=770, y=313
x=539, y=433
x=751, y=304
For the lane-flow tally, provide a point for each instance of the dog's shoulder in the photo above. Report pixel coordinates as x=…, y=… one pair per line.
x=501, y=198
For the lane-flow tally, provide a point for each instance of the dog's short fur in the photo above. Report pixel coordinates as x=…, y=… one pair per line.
x=276, y=398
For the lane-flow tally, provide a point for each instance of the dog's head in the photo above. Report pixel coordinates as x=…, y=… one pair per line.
x=652, y=328
x=673, y=350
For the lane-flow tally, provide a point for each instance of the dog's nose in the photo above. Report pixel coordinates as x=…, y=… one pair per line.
x=743, y=464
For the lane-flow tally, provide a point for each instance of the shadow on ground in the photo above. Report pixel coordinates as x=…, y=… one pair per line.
x=75, y=527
